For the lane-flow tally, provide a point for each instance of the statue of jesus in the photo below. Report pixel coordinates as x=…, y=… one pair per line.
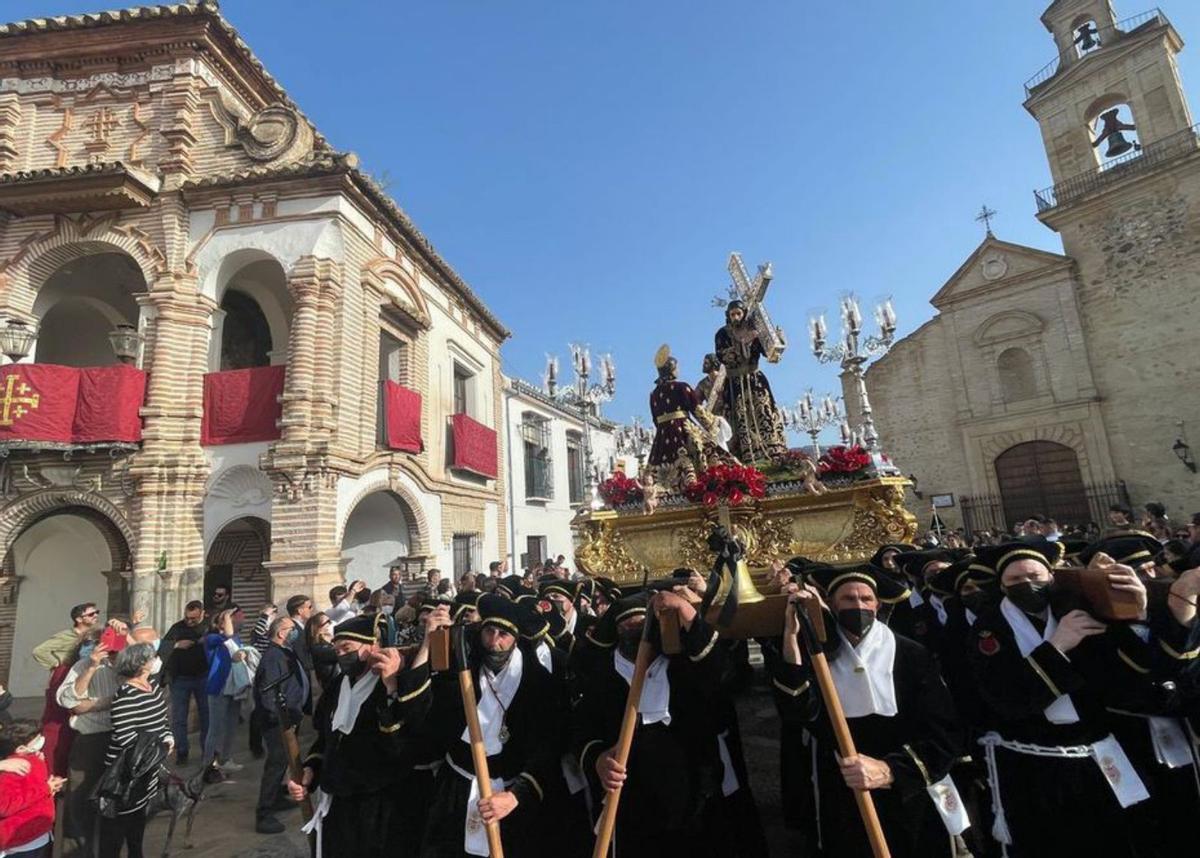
x=758, y=434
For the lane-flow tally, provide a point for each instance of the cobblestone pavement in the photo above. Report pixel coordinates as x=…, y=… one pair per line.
x=224, y=825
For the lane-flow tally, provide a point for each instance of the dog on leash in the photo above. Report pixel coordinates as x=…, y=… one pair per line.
x=180, y=797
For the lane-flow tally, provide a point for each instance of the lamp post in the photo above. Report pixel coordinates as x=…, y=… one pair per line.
x=584, y=397
x=16, y=339
x=852, y=353
x=811, y=417
x=635, y=439
x=1183, y=450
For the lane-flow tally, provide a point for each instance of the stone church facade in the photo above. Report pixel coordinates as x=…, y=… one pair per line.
x=1061, y=383
x=154, y=175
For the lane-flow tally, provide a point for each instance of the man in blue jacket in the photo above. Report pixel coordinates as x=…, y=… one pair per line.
x=281, y=695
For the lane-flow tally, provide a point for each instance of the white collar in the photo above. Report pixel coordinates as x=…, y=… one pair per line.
x=351, y=697
x=656, y=689
x=544, y=657
x=1062, y=710
x=496, y=693
x=571, y=620
x=863, y=673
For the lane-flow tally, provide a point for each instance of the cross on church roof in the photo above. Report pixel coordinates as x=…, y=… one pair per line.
x=985, y=217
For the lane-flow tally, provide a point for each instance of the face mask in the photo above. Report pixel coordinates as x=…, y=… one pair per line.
x=974, y=602
x=292, y=636
x=35, y=744
x=85, y=651
x=155, y=665
x=628, y=642
x=387, y=609
x=155, y=643
x=1029, y=597
x=496, y=661
x=350, y=664
x=857, y=621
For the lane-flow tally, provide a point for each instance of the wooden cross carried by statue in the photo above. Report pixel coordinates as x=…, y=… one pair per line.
x=751, y=293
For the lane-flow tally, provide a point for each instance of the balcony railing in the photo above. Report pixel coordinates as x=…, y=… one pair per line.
x=1131, y=163
x=1107, y=35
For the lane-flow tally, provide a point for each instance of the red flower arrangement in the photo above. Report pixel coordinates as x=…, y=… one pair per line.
x=619, y=489
x=732, y=483
x=843, y=460
x=794, y=458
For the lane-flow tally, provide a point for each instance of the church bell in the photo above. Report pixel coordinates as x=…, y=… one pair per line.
x=1088, y=38
x=747, y=593
x=1117, y=145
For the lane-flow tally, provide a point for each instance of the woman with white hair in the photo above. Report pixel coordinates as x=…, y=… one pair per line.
x=138, y=708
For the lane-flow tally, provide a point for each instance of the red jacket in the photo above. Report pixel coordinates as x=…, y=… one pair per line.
x=26, y=806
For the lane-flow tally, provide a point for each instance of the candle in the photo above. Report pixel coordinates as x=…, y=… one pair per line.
x=852, y=314
x=845, y=428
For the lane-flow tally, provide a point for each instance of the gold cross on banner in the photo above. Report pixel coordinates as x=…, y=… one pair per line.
x=16, y=396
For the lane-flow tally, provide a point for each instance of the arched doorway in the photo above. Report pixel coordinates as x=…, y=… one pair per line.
x=252, y=324
x=377, y=532
x=68, y=557
x=79, y=306
x=235, y=560
x=1042, y=478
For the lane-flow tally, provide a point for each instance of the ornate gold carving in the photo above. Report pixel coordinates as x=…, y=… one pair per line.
x=602, y=551
x=879, y=517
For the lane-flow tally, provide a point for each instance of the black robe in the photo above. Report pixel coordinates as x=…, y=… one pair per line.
x=674, y=770
x=749, y=405
x=369, y=772
x=920, y=744
x=1053, y=806
x=529, y=760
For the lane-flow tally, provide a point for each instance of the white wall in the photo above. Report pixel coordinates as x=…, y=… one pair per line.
x=62, y=559
x=376, y=533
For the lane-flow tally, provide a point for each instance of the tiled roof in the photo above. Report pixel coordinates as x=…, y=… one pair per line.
x=106, y=167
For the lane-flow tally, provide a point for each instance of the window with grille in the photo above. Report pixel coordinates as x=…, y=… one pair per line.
x=466, y=553
x=539, y=473
x=575, y=466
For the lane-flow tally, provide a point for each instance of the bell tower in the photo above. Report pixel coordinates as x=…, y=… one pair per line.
x=1110, y=97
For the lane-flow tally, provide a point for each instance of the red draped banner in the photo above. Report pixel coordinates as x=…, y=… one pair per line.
x=402, y=415
x=474, y=447
x=242, y=405
x=68, y=405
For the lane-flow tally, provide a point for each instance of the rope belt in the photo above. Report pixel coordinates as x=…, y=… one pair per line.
x=669, y=416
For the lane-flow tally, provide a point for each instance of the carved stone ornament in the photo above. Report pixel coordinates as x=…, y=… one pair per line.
x=879, y=517
x=274, y=132
x=994, y=267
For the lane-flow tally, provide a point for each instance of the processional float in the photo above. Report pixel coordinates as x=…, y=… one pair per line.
x=722, y=493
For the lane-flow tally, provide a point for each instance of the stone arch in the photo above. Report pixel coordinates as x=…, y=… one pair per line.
x=1008, y=325
x=21, y=514
x=1041, y=478
x=418, y=524
x=287, y=243
x=240, y=491
x=400, y=287
x=70, y=239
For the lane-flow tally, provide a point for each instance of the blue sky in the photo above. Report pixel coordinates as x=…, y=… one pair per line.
x=587, y=166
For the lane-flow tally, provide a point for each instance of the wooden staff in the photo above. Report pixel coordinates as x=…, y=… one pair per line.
x=478, y=751
x=608, y=818
x=813, y=622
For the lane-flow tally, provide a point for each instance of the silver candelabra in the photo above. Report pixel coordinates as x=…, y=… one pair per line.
x=853, y=352
x=635, y=439
x=585, y=398
x=811, y=417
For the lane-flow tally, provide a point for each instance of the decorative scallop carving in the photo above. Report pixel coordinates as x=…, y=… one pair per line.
x=273, y=132
x=242, y=486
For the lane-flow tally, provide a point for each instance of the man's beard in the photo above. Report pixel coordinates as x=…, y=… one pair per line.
x=496, y=660
x=628, y=642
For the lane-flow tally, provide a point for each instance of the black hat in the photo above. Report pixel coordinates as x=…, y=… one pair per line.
x=1132, y=548
x=1000, y=556
x=464, y=602
x=360, y=629
x=513, y=586
x=829, y=578
x=950, y=581
x=1073, y=547
x=877, y=557
x=503, y=613
x=433, y=602
x=801, y=566
x=585, y=588
x=607, y=588
x=548, y=584
x=913, y=563
x=604, y=631
x=538, y=623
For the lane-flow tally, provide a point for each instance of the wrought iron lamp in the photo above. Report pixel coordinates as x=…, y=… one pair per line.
x=853, y=352
x=635, y=439
x=810, y=417
x=1184, y=452
x=16, y=339
x=126, y=341
x=585, y=398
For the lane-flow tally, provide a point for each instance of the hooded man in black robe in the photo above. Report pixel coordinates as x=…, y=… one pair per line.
x=898, y=711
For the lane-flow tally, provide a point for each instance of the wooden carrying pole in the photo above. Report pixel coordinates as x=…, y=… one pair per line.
x=478, y=751
x=608, y=818
x=841, y=730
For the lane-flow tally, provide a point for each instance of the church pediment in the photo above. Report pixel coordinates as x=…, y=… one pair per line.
x=996, y=264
